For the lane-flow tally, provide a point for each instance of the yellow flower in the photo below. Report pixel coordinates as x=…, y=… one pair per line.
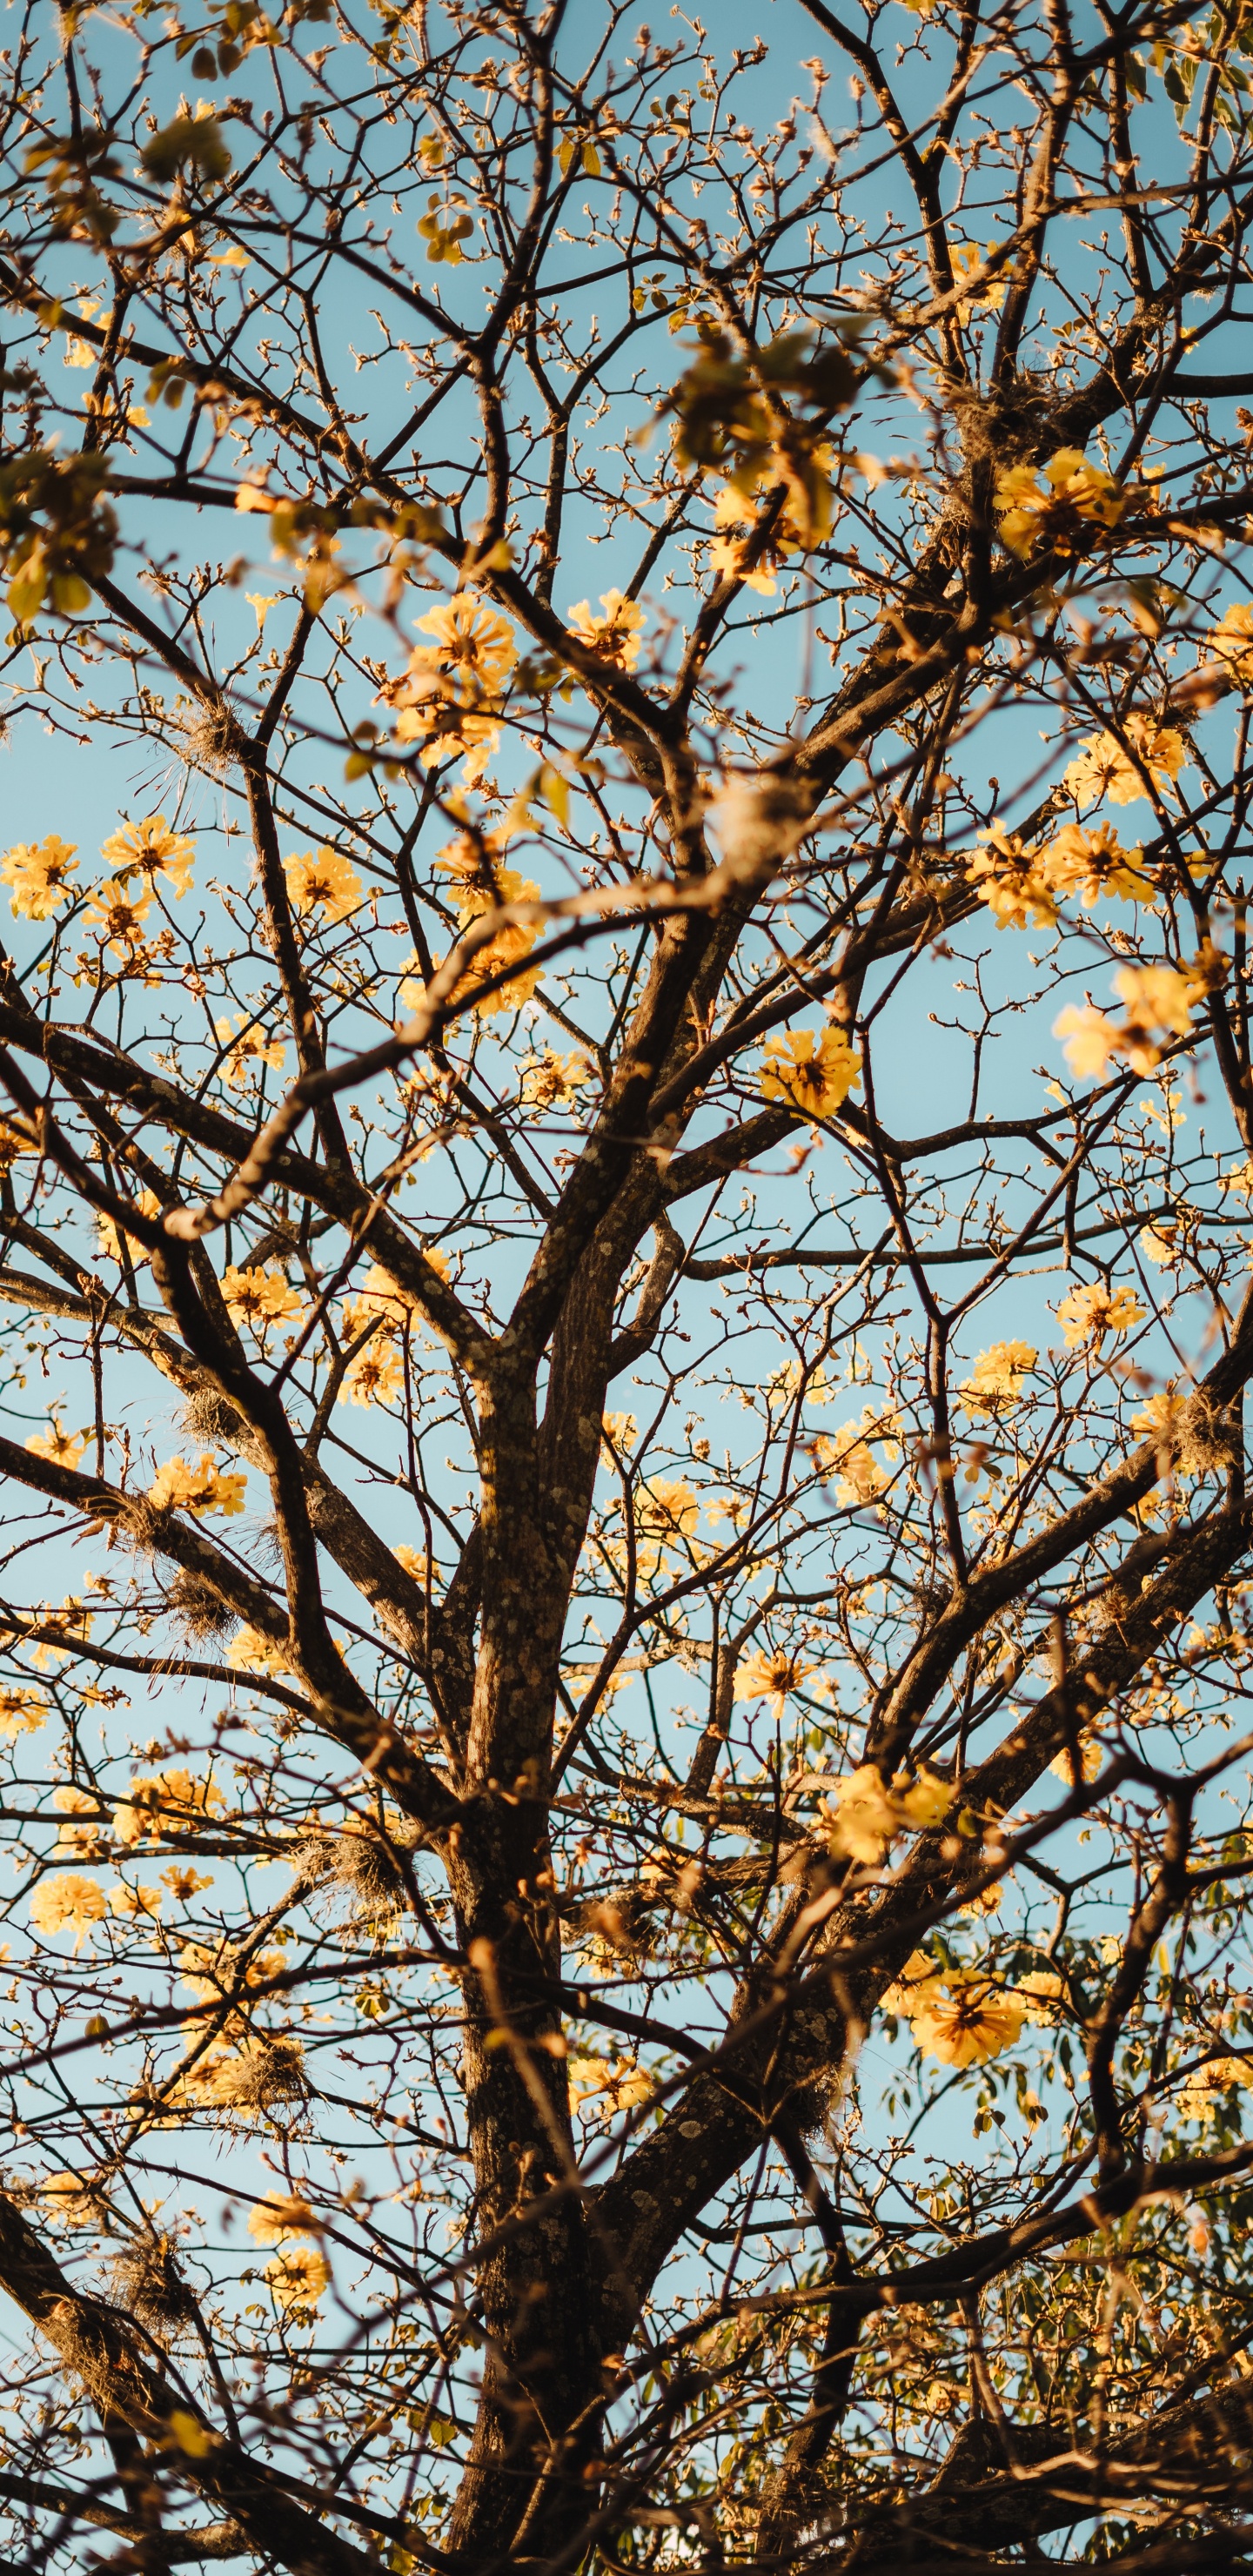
x=70, y=2199
x=918, y=1983
x=1103, y=768
x=279, y=2216
x=185, y=1882
x=64, y=1448
x=139, y=849
x=148, y=1204
x=666, y=1513
x=1060, y=510
x=448, y=685
x=474, y=652
x=989, y=294
x=1160, y=1002
x=259, y=1297
x=77, y=1839
x=1090, y=1038
x=297, y=2278
x=376, y=1375
x=246, y=2079
x=772, y=1674
x=1011, y=879
x=1042, y=1994
x=130, y=1901
x=1088, y=1314
x=968, y=2024
x=248, y=1045
x=865, y=1819
x=814, y=1074
x=254, y=1652
x=998, y=1375
x=847, y=1455
x=118, y=917
x=551, y=1078
x=322, y=881
x=618, y=2081
x=615, y=635
x=1092, y=863
x=1232, y=641
x=167, y=1802
x=183, y=1488
x=923, y=1800
x=1157, y=997
x=39, y=873
x=67, y=1899
x=1091, y=1756
x=21, y=1713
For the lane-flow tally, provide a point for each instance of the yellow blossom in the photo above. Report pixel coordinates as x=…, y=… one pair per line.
x=1088, y=1314
x=297, y=2278
x=1011, y=879
x=322, y=881
x=63, y=1448
x=1103, y=768
x=616, y=2083
x=1091, y=1039
x=185, y=1882
x=1232, y=641
x=248, y=1045
x=139, y=849
x=279, y=2216
x=1091, y=1757
x=148, y=1204
x=814, y=1074
x=865, y=1819
x=1042, y=1995
x=1058, y=507
x=131, y=1901
x=21, y=1713
x=80, y=1839
x=69, y=2199
x=259, y=1298
x=254, y=1652
x=449, y=684
x=917, y=1984
x=998, y=1375
x=165, y=1802
x=846, y=1454
x=771, y=1673
x=375, y=1375
x=666, y=1514
x=39, y=873
x=988, y=294
x=616, y=634
x=180, y=1487
x=67, y=1899
x=968, y=2023
x=1091, y=862
x=118, y=917
x=549, y=1079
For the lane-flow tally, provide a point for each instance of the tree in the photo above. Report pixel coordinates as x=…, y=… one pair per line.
x=628, y=1550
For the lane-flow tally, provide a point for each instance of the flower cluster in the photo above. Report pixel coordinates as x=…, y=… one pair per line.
x=959, y=2016
x=811, y=1072
x=1160, y=1002
x=1061, y=506
x=997, y=1376
x=479, y=884
x=322, y=881
x=1088, y=1314
x=1022, y=882
x=1123, y=769
x=38, y=874
x=178, y=1487
x=615, y=634
x=141, y=849
x=866, y=1814
x=450, y=693
x=259, y=1298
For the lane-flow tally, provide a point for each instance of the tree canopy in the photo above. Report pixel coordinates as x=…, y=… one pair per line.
x=625, y=1177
